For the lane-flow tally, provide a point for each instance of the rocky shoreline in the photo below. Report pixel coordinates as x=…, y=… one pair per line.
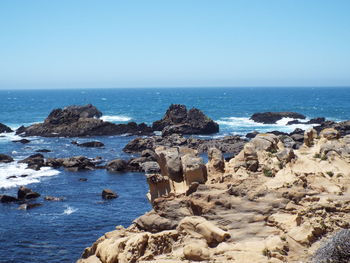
x=260, y=198
x=270, y=203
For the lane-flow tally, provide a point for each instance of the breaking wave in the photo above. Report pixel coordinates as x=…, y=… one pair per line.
x=115, y=118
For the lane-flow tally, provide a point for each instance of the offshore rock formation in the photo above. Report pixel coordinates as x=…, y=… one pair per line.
x=273, y=117
x=80, y=121
x=270, y=203
x=4, y=128
x=178, y=119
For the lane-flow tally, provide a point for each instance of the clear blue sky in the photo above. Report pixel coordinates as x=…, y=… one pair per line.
x=167, y=43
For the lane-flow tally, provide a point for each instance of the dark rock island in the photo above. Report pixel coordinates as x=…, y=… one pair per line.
x=178, y=119
x=80, y=121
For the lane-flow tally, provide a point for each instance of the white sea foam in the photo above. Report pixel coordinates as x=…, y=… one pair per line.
x=11, y=136
x=245, y=124
x=18, y=169
x=69, y=210
x=115, y=118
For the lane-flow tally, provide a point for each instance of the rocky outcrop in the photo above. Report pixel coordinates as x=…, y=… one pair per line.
x=4, y=128
x=73, y=164
x=25, y=193
x=35, y=161
x=80, y=121
x=178, y=119
x=318, y=120
x=5, y=158
x=227, y=144
x=270, y=203
x=273, y=117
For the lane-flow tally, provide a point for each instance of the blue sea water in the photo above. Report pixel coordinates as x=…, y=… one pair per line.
x=59, y=231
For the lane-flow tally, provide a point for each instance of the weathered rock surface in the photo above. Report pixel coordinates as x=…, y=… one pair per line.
x=178, y=119
x=80, y=121
x=4, y=128
x=271, y=203
x=273, y=117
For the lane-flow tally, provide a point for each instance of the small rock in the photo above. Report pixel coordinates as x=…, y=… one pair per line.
x=108, y=194
x=52, y=198
x=24, y=141
x=43, y=151
x=83, y=179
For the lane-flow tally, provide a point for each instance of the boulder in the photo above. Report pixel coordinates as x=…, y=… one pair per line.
x=5, y=158
x=117, y=165
x=178, y=119
x=108, y=194
x=330, y=134
x=216, y=161
x=35, y=161
x=194, y=169
x=77, y=163
x=273, y=117
x=4, y=128
x=170, y=164
x=26, y=193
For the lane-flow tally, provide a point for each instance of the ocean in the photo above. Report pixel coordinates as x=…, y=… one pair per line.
x=59, y=231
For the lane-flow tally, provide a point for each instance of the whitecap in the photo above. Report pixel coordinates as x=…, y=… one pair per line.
x=115, y=118
x=17, y=170
x=69, y=210
x=103, y=98
x=242, y=125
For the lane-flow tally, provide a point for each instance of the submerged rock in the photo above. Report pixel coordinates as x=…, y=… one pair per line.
x=94, y=144
x=273, y=117
x=23, y=141
x=178, y=120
